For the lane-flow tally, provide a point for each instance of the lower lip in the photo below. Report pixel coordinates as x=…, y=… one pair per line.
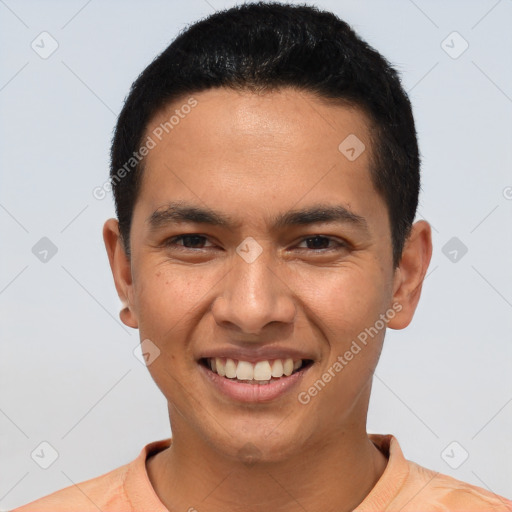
x=253, y=392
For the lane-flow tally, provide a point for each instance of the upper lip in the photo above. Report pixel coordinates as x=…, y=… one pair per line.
x=253, y=355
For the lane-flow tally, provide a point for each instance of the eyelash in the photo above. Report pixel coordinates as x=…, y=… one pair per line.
x=172, y=242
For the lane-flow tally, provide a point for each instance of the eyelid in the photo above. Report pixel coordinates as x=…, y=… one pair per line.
x=172, y=241
x=340, y=243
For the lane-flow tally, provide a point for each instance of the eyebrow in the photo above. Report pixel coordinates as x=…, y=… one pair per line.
x=176, y=212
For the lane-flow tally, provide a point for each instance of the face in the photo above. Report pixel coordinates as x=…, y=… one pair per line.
x=255, y=238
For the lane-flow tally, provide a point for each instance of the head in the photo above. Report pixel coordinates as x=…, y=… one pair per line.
x=284, y=147
x=283, y=46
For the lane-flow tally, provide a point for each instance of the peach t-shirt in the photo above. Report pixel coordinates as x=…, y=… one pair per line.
x=404, y=486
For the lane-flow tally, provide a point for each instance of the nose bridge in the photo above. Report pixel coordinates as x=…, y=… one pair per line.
x=253, y=280
x=253, y=295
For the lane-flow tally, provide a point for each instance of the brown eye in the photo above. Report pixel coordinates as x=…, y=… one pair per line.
x=189, y=241
x=319, y=242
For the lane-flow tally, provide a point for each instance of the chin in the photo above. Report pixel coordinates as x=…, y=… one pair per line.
x=260, y=442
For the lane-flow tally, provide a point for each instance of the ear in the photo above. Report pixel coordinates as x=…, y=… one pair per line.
x=410, y=274
x=121, y=271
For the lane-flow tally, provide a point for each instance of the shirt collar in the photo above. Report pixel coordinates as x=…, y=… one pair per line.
x=142, y=496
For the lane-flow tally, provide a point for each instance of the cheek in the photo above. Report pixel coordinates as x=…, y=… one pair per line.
x=344, y=300
x=169, y=300
x=166, y=296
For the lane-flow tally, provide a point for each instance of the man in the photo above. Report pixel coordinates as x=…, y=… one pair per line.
x=265, y=170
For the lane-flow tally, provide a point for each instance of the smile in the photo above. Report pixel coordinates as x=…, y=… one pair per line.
x=261, y=372
x=254, y=382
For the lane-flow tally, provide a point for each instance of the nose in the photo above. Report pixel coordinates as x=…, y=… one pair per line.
x=253, y=295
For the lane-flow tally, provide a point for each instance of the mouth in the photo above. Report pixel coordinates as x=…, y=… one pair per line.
x=262, y=372
x=254, y=381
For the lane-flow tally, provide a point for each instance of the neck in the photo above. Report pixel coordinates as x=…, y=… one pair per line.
x=335, y=474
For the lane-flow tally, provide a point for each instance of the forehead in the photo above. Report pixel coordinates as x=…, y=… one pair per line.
x=282, y=145
x=285, y=119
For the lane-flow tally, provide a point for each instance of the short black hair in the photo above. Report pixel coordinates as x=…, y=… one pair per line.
x=264, y=46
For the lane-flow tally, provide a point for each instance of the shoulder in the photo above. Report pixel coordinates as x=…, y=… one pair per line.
x=124, y=489
x=104, y=492
x=440, y=492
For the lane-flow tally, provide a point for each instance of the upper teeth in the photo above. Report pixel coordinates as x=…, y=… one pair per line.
x=261, y=371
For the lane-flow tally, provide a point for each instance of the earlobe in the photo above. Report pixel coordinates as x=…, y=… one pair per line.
x=409, y=276
x=128, y=318
x=121, y=271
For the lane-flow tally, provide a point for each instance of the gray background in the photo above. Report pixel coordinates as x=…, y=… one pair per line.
x=68, y=373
